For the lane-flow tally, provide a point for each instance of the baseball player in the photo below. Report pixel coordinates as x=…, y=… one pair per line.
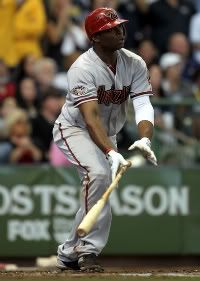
x=100, y=83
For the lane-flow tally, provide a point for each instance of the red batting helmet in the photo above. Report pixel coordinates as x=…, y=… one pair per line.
x=101, y=19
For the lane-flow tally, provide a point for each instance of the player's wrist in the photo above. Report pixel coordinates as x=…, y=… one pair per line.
x=107, y=150
x=146, y=141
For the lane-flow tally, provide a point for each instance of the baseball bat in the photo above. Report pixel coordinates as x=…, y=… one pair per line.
x=92, y=216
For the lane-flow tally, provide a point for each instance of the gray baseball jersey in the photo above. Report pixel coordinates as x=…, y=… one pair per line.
x=89, y=78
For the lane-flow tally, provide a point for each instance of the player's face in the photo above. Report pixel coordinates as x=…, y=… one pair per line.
x=113, y=38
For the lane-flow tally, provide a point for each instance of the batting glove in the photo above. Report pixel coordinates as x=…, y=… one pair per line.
x=144, y=145
x=115, y=159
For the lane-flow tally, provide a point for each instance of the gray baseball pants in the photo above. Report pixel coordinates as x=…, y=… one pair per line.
x=95, y=175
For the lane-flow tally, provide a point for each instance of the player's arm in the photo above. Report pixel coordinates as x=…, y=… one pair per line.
x=91, y=115
x=145, y=129
x=144, y=112
x=92, y=118
x=144, y=116
x=83, y=93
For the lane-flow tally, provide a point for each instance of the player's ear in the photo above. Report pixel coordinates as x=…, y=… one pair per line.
x=96, y=38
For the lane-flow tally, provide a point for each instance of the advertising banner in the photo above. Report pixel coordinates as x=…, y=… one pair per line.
x=155, y=211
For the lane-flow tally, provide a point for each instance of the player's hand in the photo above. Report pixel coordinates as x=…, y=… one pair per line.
x=144, y=145
x=115, y=159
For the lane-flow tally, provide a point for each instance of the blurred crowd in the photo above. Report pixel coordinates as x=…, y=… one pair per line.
x=40, y=39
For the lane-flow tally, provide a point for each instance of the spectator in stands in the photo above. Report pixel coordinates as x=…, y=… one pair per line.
x=155, y=74
x=196, y=80
x=196, y=106
x=45, y=70
x=75, y=40
x=25, y=68
x=46, y=75
x=167, y=17
x=23, y=148
x=66, y=38
x=7, y=47
x=7, y=87
x=42, y=124
x=29, y=27
x=60, y=82
x=178, y=43
x=147, y=50
x=174, y=87
x=194, y=36
x=7, y=107
x=136, y=27
x=163, y=118
x=59, y=24
x=5, y=148
x=197, y=5
x=27, y=96
x=56, y=157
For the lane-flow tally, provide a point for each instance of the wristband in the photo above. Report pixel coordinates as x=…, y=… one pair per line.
x=107, y=150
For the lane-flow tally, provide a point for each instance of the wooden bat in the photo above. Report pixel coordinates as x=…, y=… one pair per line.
x=92, y=216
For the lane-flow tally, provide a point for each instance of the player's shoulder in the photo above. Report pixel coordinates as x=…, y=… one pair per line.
x=83, y=61
x=130, y=55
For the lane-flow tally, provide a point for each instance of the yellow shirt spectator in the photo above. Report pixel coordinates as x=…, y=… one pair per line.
x=7, y=50
x=30, y=25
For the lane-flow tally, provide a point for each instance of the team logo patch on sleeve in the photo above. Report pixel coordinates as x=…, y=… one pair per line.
x=79, y=91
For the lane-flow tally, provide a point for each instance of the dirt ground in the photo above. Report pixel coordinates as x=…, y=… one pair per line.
x=112, y=265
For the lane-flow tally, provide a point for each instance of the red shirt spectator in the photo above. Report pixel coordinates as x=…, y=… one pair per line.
x=7, y=88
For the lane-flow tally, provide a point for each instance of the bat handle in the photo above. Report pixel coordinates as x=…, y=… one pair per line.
x=121, y=171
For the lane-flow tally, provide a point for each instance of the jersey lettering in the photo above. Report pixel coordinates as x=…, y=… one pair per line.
x=112, y=96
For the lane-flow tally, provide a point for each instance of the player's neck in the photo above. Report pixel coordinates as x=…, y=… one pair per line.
x=110, y=58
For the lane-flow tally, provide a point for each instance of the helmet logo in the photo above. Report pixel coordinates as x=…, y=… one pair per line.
x=112, y=15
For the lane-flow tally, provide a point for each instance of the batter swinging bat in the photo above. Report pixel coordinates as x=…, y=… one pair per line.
x=91, y=217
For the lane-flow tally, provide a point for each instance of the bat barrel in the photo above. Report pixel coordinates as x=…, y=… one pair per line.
x=91, y=217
